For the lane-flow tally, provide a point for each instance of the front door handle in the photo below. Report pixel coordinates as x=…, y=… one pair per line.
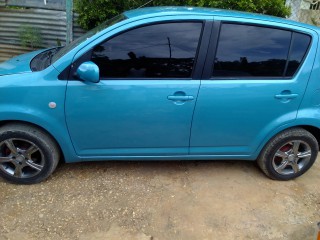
x=180, y=98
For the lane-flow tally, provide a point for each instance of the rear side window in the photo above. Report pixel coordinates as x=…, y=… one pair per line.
x=165, y=50
x=254, y=51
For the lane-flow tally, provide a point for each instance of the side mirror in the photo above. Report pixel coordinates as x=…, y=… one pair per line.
x=89, y=71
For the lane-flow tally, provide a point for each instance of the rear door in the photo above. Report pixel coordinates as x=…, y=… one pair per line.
x=253, y=83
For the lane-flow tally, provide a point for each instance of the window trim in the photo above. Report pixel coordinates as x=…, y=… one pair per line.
x=209, y=68
x=201, y=49
x=288, y=56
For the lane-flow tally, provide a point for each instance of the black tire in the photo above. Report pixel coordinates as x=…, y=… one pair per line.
x=28, y=155
x=289, y=154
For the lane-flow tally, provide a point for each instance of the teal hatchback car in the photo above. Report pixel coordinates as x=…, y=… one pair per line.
x=167, y=83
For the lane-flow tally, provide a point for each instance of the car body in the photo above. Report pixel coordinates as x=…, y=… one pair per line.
x=167, y=83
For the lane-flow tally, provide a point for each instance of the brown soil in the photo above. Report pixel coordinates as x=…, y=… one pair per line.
x=161, y=200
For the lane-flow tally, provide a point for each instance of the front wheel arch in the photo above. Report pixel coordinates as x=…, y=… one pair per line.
x=30, y=124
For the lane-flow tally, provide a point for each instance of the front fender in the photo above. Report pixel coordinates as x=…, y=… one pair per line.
x=26, y=97
x=54, y=126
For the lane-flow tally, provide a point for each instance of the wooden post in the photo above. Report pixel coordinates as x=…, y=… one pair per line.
x=69, y=13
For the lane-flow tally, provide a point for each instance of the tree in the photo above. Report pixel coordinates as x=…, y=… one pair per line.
x=94, y=12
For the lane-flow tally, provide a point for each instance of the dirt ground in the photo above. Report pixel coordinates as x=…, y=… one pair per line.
x=161, y=200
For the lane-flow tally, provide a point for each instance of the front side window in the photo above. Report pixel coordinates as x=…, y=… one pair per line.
x=251, y=51
x=165, y=50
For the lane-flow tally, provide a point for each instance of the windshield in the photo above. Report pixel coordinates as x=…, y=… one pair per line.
x=87, y=35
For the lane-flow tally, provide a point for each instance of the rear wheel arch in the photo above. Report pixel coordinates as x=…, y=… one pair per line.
x=313, y=130
x=307, y=137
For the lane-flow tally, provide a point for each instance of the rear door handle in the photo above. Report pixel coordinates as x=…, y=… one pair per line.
x=286, y=96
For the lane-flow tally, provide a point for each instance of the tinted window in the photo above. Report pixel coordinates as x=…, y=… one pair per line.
x=87, y=35
x=251, y=51
x=165, y=50
x=300, y=45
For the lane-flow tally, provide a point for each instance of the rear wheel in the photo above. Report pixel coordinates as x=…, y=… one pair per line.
x=27, y=154
x=289, y=154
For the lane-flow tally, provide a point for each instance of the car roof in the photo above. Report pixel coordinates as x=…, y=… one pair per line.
x=176, y=11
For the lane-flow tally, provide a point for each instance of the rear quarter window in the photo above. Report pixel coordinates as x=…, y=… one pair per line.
x=299, y=49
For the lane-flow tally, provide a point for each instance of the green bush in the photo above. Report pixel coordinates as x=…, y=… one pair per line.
x=269, y=7
x=30, y=36
x=94, y=12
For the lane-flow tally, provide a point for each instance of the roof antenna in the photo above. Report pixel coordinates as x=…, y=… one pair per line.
x=145, y=4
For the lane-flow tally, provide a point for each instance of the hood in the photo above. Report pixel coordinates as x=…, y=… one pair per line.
x=18, y=64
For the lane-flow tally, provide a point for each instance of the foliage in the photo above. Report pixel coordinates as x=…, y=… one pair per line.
x=269, y=7
x=94, y=12
x=315, y=21
x=59, y=44
x=30, y=36
x=14, y=7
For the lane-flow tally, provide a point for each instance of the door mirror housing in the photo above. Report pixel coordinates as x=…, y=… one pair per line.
x=89, y=72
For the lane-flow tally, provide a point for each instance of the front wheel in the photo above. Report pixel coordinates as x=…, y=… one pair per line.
x=27, y=154
x=289, y=154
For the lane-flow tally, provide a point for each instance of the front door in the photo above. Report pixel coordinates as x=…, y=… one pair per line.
x=144, y=103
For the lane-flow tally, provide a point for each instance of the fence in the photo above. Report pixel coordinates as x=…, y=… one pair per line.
x=52, y=25
x=307, y=11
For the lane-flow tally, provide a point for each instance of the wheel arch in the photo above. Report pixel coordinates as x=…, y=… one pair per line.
x=63, y=154
x=315, y=131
